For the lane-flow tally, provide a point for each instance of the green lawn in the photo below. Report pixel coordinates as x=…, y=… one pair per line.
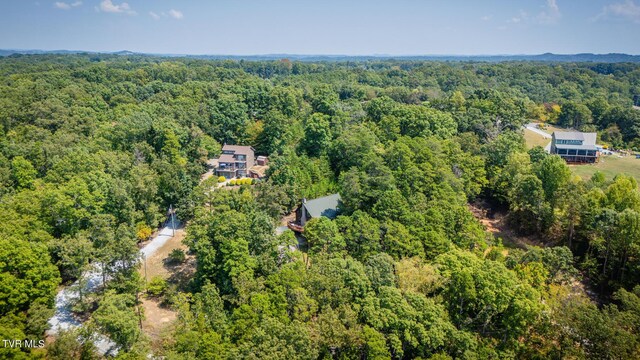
x=533, y=139
x=610, y=166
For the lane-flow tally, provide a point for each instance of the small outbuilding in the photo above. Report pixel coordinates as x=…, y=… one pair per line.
x=262, y=160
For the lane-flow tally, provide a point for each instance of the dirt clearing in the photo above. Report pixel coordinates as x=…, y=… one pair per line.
x=157, y=317
x=496, y=223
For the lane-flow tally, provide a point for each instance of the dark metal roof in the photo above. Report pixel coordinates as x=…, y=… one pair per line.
x=325, y=206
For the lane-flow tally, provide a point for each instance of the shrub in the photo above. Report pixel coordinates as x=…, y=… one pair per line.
x=222, y=179
x=177, y=256
x=143, y=231
x=171, y=296
x=233, y=182
x=157, y=286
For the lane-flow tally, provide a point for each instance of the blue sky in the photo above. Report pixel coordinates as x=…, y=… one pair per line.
x=351, y=27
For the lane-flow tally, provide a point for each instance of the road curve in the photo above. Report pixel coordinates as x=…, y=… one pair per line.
x=533, y=127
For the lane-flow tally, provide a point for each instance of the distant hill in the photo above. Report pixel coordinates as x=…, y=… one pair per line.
x=547, y=57
x=8, y=52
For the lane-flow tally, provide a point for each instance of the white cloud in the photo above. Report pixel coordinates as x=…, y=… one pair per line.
x=551, y=13
x=627, y=10
x=486, y=18
x=62, y=5
x=522, y=17
x=173, y=13
x=66, y=6
x=176, y=14
x=109, y=7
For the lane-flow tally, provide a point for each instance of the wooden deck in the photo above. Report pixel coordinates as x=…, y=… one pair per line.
x=295, y=227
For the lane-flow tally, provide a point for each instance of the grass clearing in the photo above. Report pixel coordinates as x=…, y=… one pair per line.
x=533, y=139
x=610, y=166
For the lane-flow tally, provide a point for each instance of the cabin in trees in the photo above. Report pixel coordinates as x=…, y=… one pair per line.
x=235, y=161
x=239, y=161
x=575, y=147
x=327, y=206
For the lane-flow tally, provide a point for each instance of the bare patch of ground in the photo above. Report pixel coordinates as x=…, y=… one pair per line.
x=154, y=265
x=288, y=218
x=181, y=274
x=157, y=317
x=495, y=222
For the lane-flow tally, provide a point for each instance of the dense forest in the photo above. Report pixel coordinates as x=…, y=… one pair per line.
x=95, y=148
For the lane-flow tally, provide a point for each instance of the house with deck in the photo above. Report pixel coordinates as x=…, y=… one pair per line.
x=575, y=147
x=327, y=206
x=235, y=161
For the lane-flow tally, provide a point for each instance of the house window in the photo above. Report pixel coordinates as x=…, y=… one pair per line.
x=569, y=142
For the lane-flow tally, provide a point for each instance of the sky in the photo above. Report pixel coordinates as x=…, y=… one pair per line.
x=338, y=27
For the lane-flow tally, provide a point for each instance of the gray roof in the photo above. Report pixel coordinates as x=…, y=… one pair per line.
x=568, y=135
x=325, y=206
x=238, y=149
x=226, y=158
x=586, y=138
